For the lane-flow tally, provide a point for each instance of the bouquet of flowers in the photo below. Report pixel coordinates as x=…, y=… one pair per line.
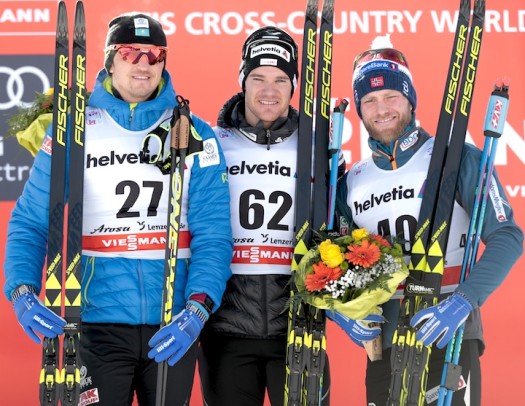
x=351, y=274
x=30, y=123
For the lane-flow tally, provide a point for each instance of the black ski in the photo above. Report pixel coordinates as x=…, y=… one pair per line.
x=306, y=345
x=70, y=356
x=410, y=357
x=63, y=383
x=50, y=377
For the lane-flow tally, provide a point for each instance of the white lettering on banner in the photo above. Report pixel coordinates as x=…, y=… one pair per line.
x=1, y=145
x=501, y=21
x=166, y=19
x=346, y=21
x=28, y=15
x=515, y=190
x=495, y=21
x=233, y=23
x=13, y=173
x=377, y=21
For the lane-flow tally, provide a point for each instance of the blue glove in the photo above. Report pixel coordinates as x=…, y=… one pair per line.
x=173, y=340
x=34, y=317
x=441, y=320
x=357, y=330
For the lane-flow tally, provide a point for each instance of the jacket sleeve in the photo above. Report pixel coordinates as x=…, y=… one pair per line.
x=502, y=237
x=209, y=219
x=27, y=229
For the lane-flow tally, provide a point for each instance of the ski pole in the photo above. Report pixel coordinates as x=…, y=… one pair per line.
x=178, y=149
x=493, y=129
x=334, y=149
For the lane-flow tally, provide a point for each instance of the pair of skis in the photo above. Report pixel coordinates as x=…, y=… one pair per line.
x=306, y=343
x=409, y=360
x=60, y=373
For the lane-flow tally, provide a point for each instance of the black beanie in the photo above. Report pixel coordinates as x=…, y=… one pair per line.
x=269, y=46
x=133, y=28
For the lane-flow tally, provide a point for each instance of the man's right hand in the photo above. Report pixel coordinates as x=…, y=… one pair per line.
x=34, y=317
x=358, y=330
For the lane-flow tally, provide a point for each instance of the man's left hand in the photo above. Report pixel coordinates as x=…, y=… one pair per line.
x=172, y=341
x=441, y=320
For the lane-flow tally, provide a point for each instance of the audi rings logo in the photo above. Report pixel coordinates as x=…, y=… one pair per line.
x=16, y=85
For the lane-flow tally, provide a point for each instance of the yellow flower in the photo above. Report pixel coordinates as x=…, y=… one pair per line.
x=331, y=254
x=359, y=234
x=49, y=92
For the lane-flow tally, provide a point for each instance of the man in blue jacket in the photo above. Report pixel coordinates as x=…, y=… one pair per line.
x=393, y=177
x=124, y=231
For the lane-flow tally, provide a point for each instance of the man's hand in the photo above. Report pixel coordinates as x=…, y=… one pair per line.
x=358, y=330
x=173, y=340
x=441, y=320
x=34, y=317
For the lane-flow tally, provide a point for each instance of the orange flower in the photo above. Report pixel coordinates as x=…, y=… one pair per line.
x=364, y=255
x=381, y=240
x=322, y=275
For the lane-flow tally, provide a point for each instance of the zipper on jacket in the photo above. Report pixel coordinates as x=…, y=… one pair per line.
x=268, y=138
x=143, y=296
x=264, y=302
x=391, y=158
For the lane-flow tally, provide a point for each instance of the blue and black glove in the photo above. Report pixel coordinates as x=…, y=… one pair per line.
x=441, y=320
x=358, y=330
x=173, y=340
x=33, y=316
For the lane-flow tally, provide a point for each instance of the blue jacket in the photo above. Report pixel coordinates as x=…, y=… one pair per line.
x=123, y=290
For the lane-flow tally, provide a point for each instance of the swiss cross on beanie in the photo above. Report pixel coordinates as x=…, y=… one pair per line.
x=380, y=74
x=133, y=28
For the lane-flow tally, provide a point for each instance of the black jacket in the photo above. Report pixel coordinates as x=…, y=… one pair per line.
x=254, y=306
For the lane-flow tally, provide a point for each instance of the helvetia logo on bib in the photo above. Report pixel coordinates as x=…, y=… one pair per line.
x=271, y=168
x=397, y=193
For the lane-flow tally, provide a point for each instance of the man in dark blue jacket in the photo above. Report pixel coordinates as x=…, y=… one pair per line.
x=392, y=178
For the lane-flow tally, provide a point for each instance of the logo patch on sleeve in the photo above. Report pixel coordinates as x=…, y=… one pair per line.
x=497, y=201
x=46, y=145
x=210, y=153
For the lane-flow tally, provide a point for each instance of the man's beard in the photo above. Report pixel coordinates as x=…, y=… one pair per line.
x=387, y=136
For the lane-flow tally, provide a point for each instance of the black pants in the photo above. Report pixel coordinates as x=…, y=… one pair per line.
x=238, y=371
x=115, y=366
x=469, y=394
